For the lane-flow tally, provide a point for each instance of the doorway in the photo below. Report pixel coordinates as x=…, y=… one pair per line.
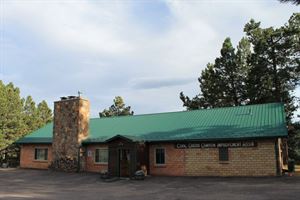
x=126, y=156
x=124, y=162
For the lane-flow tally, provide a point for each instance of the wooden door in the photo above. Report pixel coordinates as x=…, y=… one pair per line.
x=124, y=161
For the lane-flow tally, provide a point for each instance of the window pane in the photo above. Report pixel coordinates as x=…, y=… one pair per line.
x=101, y=156
x=35, y=154
x=157, y=156
x=160, y=156
x=41, y=154
x=104, y=155
x=223, y=154
x=46, y=154
x=97, y=155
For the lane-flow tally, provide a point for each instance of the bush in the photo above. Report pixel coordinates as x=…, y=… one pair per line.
x=291, y=165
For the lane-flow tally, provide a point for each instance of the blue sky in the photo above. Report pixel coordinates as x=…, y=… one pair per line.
x=145, y=51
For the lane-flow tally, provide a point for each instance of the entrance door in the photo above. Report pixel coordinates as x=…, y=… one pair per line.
x=124, y=162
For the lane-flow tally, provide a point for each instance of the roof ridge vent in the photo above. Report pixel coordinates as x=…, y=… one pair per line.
x=249, y=112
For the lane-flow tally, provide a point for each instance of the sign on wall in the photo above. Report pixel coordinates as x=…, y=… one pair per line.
x=241, y=144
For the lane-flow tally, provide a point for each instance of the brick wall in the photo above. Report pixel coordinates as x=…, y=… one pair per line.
x=174, y=161
x=91, y=166
x=253, y=161
x=27, y=156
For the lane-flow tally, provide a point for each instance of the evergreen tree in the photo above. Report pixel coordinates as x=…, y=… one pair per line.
x=223, y=83
x=228, y=70
x=117, y=109
x=30, y=114
x=18, y=117
x=44, y=114
x=212, y=87
x=11, y=122
x=275, y=62
x=196, y=103
x=243, y=55
x=296, y=2
x=265, y=68
x=294, y=141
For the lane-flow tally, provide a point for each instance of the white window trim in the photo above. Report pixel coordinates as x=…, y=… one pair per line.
x=159, y=164
x=35, y=148
x=100, y=148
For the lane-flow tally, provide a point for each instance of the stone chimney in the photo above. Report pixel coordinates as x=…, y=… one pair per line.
x=71, y=126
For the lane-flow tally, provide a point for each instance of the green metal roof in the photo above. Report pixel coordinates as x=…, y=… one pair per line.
x=241, y=122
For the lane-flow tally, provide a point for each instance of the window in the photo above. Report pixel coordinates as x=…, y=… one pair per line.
x=160, y=156
x=101, y=156
x=41, y=154
x=223, y=154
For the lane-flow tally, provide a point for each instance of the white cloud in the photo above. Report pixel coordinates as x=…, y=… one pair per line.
x=75, y=25
x=99, y=47
x=159, y=82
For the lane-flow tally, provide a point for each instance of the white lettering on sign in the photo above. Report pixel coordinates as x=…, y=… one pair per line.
x=237, y=144
x=215, y=145
x=194, y=145
x=248, y=144
x=181, y=146
x=208, y=145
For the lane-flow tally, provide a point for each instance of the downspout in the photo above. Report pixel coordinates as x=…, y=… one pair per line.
x=78, y=158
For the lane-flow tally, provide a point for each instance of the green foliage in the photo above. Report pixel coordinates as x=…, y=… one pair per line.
x=30, y=111
x=117, y=109
x=296, y=2
x=223, y=83
x=264, y=68
x=44, y=114
x=18, y=117
x=274, y=62
x=12, y=119
x=294, y=141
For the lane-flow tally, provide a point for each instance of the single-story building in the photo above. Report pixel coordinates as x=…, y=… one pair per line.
x=233, y=141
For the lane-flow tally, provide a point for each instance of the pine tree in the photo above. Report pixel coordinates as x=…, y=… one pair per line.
x=212, y=87
x=275, y=62
x=11, y=122
x=18, y=117
x=243, y=55
x=296, y=2
x=44, y=114
x=117, y=109
x=227, y=69
x=12, y=125
x=265, y=68
x=31, y=115
x=222, y=83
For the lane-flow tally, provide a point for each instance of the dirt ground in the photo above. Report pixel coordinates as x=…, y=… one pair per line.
x=44, y=184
